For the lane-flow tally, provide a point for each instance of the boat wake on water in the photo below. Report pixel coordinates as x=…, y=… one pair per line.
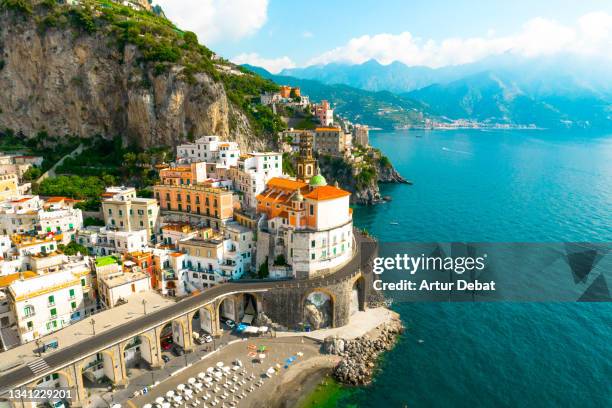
x=446, y=149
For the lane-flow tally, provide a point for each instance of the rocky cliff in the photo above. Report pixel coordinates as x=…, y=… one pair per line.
x=360, y=175
x=74, y=72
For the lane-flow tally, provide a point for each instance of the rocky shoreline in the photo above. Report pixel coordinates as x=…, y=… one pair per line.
x=360, y=355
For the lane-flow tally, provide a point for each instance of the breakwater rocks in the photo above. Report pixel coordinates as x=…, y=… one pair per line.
x=361, y=354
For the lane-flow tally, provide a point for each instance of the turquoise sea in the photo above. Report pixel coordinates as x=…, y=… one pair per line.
x=495, y=186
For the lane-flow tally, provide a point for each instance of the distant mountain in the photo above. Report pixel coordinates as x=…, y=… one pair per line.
x=528, y=92
x=373, y=76
x=377, y=109
x=556, y=91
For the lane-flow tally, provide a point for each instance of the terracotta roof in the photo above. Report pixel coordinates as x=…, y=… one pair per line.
x=56, y=199
x=326, y=193
x=8, y=279
x=176, y=254
x=327, y=129
x=286, y=183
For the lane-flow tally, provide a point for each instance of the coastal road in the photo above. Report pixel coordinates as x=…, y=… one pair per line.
x=66, y=356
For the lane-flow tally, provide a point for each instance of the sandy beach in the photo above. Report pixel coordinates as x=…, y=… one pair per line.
x=291, y=382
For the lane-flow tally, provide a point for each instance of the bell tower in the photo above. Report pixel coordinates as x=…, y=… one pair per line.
x=306, y=163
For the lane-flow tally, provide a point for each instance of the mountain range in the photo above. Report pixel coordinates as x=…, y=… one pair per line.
x=382, y=109
x=553, y=92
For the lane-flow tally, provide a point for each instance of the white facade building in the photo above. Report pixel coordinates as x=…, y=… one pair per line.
x=103, y=241
x=251, y=174
x=209, y=149
x=46, y=303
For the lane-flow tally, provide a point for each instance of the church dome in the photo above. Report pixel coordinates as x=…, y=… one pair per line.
x=318, y=181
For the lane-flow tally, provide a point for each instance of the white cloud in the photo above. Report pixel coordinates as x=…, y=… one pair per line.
x=214, y=20
x=274, y=65
x=590, y=35
x=307, y=34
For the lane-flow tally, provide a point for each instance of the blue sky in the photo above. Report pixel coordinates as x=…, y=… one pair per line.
x=433, y=33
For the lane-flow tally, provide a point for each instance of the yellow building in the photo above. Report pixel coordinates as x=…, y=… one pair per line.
x=123, y=211
x=9, y=186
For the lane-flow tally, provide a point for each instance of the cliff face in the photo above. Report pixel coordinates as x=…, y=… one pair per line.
x=65, y=81
x=361, y=180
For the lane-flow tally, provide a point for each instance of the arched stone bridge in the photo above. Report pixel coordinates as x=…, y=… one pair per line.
x=288, y=302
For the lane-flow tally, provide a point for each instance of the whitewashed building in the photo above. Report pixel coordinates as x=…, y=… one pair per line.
x=46, y=303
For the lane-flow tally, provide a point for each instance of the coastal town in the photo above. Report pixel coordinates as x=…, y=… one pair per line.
x=227, y=247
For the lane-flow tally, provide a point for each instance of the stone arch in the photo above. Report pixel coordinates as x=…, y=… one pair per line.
x=61, y=373
x=357, y=300
x=147, y=355
x=204, y=320
x=319, y=308
x=248, y=303
x=226, y=309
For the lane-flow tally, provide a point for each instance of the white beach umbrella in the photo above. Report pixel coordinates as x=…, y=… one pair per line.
x=191, y=380
x=170, y=394
x=220, y=364
x=210, y=369
x=180, y=387
x=202, y=375
x=159, y=400
x=147, y=406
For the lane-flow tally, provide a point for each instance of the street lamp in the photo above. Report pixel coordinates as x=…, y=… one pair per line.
x=93, y=326
x=144, y=305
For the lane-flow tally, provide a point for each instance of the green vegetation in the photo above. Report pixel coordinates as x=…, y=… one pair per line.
x=89, y=221
x=244, y=91
x=22, y=6
x=288, y=164
x=263, y=271
x=73, y=248
x=32, y=173
x=113, y=163
x=385, y=162
x=306, y=123
x=365, y=177
x=82, y=188
x=51, y=147
x=106, y=260
x=280, y=260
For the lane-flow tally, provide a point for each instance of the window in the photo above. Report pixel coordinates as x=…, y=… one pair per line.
x=51, y=300
x=71, y=292
x=30, y=326
x=110, y=211
x=312, y=243
x=73, y=305
x=28, y=311
x=311, y=209
x=312, y=256
x=54, y=312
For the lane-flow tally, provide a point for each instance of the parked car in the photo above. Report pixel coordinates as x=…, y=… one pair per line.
x=230, y=323
x=207, y=338
x=165, y=358
x=178, y=351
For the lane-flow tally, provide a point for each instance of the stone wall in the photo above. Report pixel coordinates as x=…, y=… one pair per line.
x=285, y=305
